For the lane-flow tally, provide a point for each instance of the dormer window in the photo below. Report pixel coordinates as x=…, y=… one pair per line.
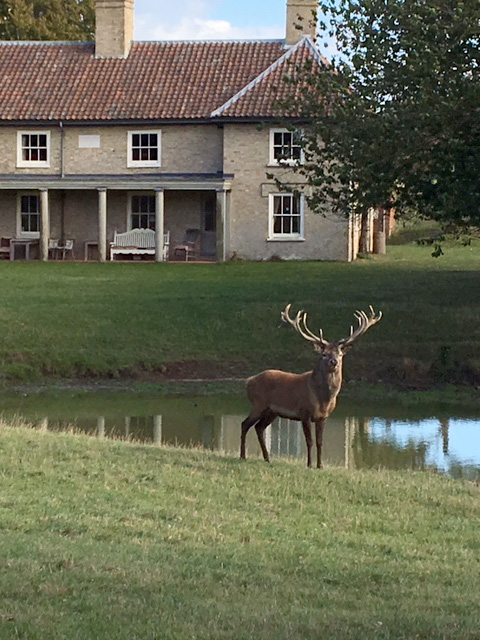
x=144, y=148
x=33, y=149
x=285, y=147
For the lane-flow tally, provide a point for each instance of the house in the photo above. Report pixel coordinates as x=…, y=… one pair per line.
x=117, y=135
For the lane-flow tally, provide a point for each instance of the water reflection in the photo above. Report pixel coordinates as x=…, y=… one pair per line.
x=448, y=444
x=351, y=439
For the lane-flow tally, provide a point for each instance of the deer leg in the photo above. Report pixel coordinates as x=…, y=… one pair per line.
x=319, y=424
x=307, y=431
x=260, y=427
x=246, y=424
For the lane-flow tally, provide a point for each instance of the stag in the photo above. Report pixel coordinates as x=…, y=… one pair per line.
x=307, y=397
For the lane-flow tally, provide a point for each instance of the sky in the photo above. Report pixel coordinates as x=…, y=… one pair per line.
x=209, y=19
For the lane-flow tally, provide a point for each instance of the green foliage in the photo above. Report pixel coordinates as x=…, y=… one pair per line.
x=396, y=115
x=47, y=20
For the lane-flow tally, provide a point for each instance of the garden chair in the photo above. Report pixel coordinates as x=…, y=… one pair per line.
x=166, y=245
x=190, y=244
x=67, y=247
x=5, y=248
x=53, y=248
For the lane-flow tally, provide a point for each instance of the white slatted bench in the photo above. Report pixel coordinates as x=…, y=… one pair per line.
x=137, y=242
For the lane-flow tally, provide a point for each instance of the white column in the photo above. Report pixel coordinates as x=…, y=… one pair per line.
x=159, y=224
x=45, y=227
x=100, y=426
x=102, y=225
x=157, y=429
x=221, y=220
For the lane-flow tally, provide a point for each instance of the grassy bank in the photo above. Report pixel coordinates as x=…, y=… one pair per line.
x=154, y=322
x=110, y=540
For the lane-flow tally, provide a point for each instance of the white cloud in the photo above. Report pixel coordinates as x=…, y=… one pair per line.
x=190, y=20
x=191, y=28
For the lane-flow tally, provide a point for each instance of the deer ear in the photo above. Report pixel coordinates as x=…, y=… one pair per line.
x=318, y=348
x=346, y=348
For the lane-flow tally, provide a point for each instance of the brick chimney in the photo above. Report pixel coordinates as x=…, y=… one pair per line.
x=114, y=28
x=300, y=12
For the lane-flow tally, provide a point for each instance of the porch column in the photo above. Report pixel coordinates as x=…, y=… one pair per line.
x=100, y=426
x=379, y=234
x=157, y=429
x=221, y=224
x=102, y=225
x=45, y=226
x=159, y=224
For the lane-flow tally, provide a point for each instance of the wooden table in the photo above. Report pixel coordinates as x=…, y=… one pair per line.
x=26, y=242
x=88, y=244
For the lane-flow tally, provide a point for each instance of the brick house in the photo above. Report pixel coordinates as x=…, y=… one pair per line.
x=117, y=135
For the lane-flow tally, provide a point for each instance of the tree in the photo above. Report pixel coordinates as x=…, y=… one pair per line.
x=394, y=119
x=47, y=20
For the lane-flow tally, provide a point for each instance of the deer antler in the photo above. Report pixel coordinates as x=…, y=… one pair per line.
x=364, y=323
x=299, y=323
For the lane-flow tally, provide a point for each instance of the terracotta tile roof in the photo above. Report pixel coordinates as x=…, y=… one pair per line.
x=262, y=96
x=158, y=80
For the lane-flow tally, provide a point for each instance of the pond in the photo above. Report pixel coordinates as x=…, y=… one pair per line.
x=356, y=436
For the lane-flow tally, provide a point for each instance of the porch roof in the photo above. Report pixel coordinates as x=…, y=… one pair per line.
x=128, y=182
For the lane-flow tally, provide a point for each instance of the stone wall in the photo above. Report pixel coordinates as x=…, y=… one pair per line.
x=184, y=149
x=8, y=145
x=238, y=149
x=246, y=155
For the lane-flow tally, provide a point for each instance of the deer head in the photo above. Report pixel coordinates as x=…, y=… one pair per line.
x=331, y=352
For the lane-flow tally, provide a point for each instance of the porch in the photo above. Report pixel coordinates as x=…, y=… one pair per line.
x=40, y=213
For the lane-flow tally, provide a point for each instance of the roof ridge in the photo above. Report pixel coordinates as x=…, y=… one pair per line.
x=44, y=42
x=306, y=40
x=313, y=48
x=232, y=41
x=92, y=42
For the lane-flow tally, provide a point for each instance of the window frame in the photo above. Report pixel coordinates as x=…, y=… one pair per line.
x=28, y=164
x=28, y=234
x=131, y=195
x=286, y=161
x=286, y=237
x=131, y=163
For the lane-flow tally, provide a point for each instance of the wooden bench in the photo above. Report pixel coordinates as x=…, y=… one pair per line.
x=137, y=242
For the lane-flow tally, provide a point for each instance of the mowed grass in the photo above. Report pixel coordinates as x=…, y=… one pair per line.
x=110, y=540
x=119, y=320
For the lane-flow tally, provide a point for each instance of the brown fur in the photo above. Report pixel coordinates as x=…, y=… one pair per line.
x=307, y=397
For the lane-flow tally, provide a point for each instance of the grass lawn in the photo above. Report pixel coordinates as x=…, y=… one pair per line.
x=141, y=320
x=109, y=540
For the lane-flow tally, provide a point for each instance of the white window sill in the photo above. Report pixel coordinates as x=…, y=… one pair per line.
x=286, y=164
x=286, y=239
x=143, y=165
x=33, y=165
